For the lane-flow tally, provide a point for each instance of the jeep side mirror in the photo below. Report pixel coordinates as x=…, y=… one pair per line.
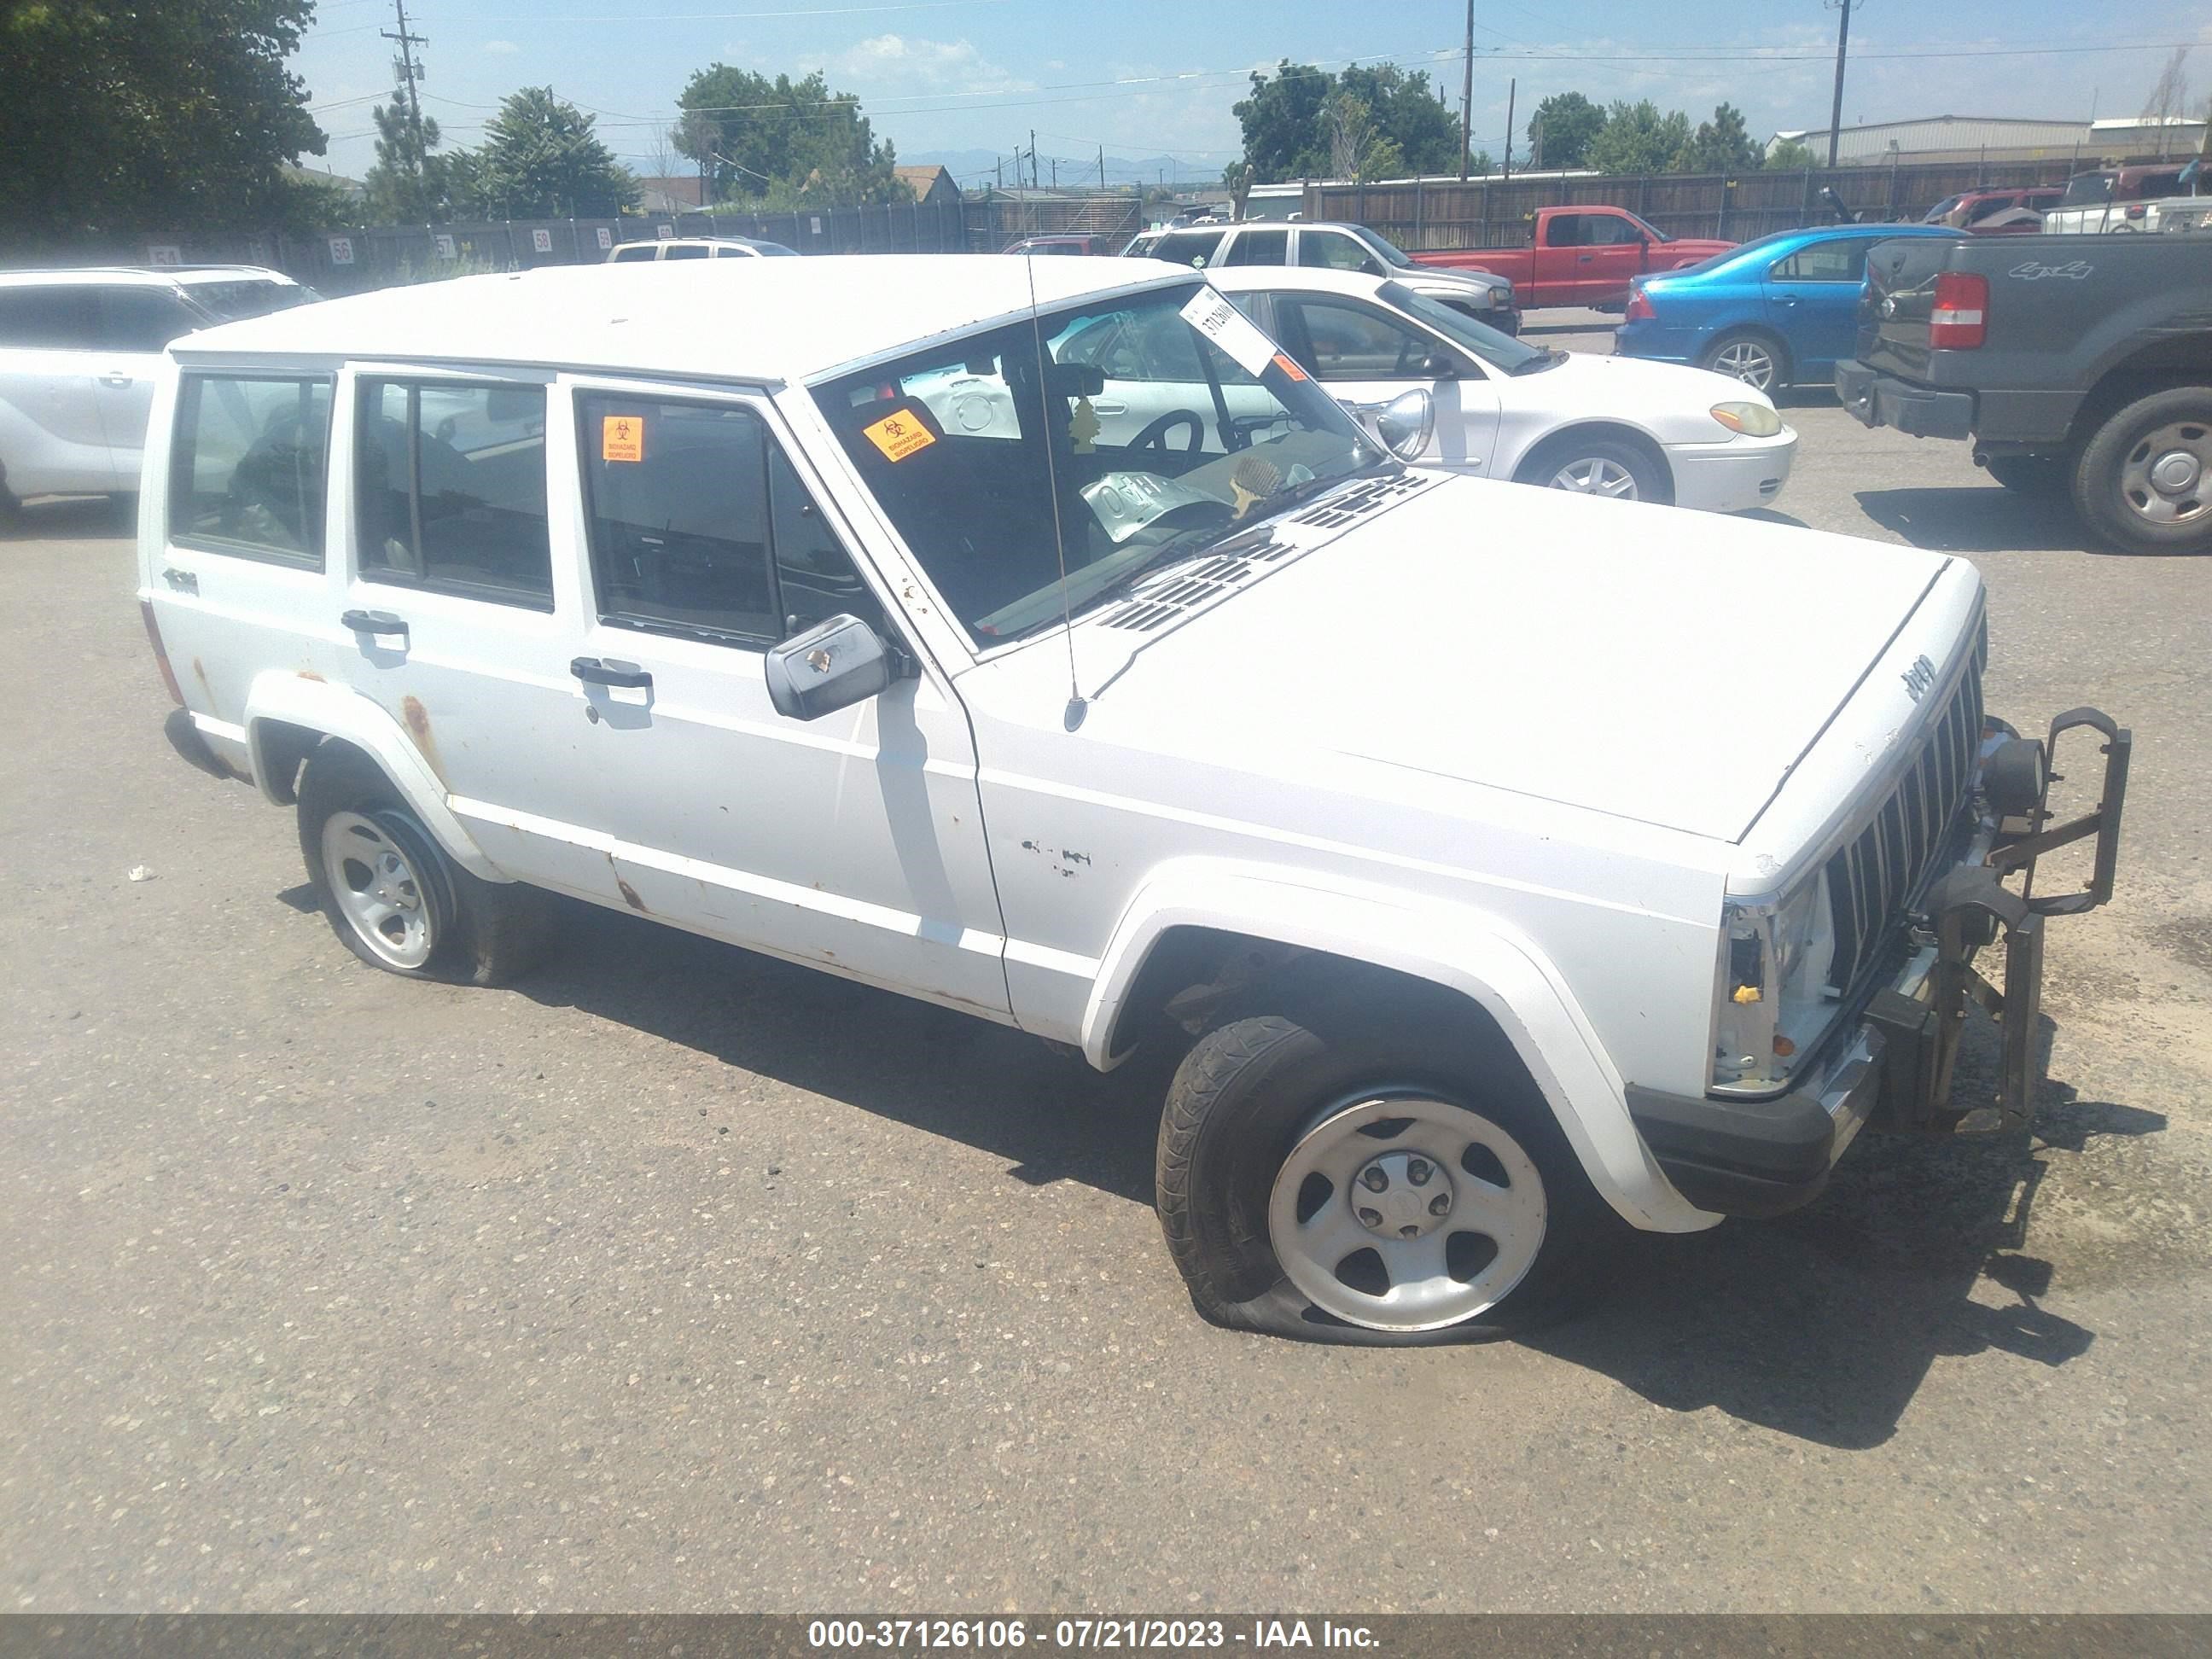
x=832, y=665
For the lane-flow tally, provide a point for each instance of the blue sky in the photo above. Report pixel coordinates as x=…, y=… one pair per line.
x=1146, y=77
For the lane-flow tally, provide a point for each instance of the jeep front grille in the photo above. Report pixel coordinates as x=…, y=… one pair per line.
x=1882, y=868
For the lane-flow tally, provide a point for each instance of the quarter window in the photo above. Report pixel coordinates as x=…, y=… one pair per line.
x=452, y=491
x=1188, y=247
x=49, y=318
x=700, y=527
x=245, y=474
x=142, y=318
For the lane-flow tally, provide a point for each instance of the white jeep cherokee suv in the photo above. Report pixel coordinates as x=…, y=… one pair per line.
x=1497, y=902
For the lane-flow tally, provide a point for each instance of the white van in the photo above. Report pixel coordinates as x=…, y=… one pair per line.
x=1497, y=893
x=79, y=352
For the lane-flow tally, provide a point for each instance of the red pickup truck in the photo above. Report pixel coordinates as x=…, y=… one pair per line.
x=1579, y=255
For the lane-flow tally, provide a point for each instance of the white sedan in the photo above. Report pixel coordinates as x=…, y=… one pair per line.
x=1509, y=408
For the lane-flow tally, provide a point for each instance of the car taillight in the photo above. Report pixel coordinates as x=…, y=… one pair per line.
x=1961, y=302
x=2136, y=211
x=1639, y=309
x=161, y=652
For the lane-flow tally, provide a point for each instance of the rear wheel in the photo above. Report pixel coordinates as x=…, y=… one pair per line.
x=392, y=896
x=2143, y=483
x=1758, y=360
x=1359, y=1173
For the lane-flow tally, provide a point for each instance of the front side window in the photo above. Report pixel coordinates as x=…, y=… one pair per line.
x=1604, y=230
x=1342, y=340
x=1825, y=262
x=683, y=251
x=245, y=472
x=228, y=301
x=142, y=318
x=699, y=526
x=1131, y=439
x=1449, y=319
x=1330, y=249
x=451, y=489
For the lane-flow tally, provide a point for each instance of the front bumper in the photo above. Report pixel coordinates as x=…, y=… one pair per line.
x=1877, y=400
x=1732, y=477
x=1763, y=1157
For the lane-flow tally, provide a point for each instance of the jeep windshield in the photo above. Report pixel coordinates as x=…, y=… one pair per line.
x=1152, y=427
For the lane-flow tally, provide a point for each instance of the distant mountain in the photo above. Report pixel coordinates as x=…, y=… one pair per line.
x=978, y=167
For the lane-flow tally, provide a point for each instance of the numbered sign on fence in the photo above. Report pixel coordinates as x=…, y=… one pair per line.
x=606, y=239
x=164, y=254
x=341, y=250
x=542, y=240
x=664, y=232
x=445, y=245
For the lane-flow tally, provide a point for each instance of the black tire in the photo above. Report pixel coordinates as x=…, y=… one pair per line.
x=478, y=933
x=1649, y=474
x=2030, y=475
x=1742, y=342
x=2116, y=498
x=1253, y=1086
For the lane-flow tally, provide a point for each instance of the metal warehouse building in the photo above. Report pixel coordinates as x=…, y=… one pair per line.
x=1948, y=139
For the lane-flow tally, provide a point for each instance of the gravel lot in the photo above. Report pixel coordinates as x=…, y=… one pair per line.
x=675, y=1279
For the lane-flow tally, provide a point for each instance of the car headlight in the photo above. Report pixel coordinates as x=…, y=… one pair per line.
x=1775, y=961
x=1501, y=299
x=1753, y=420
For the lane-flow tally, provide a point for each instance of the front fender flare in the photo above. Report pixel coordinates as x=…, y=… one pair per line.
x=1459, y=948
x=336, y=712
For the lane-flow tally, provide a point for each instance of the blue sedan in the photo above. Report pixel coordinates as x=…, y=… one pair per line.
x=1778, y=312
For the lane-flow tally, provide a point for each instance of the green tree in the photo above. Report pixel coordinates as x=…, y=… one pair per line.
x=1722, y=144
x=1283, y=136
x=120, y=115
x=1570, y=123
x=1236, y=180
x=1790, y=156
x=541, y=161
x=407, y=186
x=1407, y=114
x=783, y=142
x=1638, y=138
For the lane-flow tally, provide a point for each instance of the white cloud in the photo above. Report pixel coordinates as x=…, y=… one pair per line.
x=500, y=48
x=890, y=64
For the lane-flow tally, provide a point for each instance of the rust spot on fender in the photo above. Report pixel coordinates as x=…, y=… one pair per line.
x=630, y=897
x=418, y=727
x=310, y=674
x=199, y=673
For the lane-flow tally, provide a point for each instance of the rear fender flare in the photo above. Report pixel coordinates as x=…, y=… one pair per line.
x=1457, y=947
x=336, y=712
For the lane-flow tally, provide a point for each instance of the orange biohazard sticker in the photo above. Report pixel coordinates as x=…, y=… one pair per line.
x=622, y=438
x=1283, y=362
x=899, y=435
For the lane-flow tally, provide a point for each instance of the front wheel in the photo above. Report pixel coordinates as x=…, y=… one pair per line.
x=2143, y=483
x=1354, y=1177
x=1595, y=466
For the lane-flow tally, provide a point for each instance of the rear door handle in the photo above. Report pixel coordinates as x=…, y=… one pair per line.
x=185, y=582
x=379, y=623
x=115, y=377
x=596, y=671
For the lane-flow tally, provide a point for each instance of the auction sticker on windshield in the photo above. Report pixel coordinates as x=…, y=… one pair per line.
x=899, y=435
x=1227, y=327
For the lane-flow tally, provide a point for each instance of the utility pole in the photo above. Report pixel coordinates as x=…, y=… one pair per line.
x=1055, y=172
x=1537, y=141
x=1101, y=169
x=1033, y=172
x=409, y=75
x=1836, y=109
x=1512, y=87
x=1467, y=93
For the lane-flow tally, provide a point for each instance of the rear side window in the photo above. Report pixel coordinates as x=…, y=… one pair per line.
x=51, y=318
x=634, y=252
x=1260, y=247
x=1188, y=247
x=452, y=488
x=683, y=251
x=246, y=470
x=700, y=527
x=1825, y=262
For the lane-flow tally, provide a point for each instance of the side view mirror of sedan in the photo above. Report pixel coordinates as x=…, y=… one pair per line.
x=832, y=665
x=1402, y=425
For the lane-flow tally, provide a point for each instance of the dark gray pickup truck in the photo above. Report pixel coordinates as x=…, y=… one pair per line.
x=2076, y=364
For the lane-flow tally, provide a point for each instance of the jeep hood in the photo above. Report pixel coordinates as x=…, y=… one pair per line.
x=1647, y=662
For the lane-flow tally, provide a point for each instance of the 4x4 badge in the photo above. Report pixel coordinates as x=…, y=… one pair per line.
x=1918, y=677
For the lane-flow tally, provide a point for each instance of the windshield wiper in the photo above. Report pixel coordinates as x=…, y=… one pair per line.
x=1551, y=359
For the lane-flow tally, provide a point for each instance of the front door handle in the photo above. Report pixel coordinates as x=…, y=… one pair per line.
x=185, y=582
x=377, y=623
x=596, y=671
x=115, y=378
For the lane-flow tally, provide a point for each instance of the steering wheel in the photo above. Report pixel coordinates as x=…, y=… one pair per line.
x=1191, y=515
x=1155, y=434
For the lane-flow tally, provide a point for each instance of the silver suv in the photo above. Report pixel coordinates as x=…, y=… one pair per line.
x=78, y=354
x=1477, y=294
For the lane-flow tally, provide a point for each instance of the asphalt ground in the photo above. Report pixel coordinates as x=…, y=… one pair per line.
x=674, y=1279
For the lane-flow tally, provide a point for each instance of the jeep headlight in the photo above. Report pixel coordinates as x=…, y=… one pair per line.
x=1753, y=420
x=1775, y=957
x=1501, y=298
